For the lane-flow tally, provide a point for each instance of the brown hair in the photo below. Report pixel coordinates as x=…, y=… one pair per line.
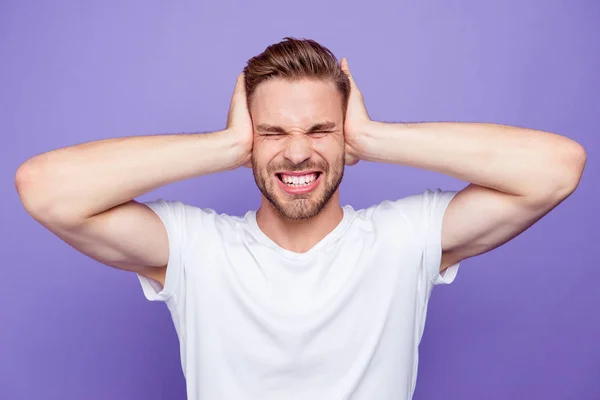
x=295, y=59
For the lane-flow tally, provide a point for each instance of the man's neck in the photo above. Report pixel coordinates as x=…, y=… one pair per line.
x=299, y=235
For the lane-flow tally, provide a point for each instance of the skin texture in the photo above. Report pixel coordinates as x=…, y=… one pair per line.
x=284, y=113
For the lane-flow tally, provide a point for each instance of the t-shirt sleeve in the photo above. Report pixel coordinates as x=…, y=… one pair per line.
x=435, y=204
x=426, y=211
x=176, y=217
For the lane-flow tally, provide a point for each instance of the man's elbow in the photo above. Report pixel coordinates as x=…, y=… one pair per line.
x=575, y=164
x=34, y=192
x=569, y=170
x=25, y=184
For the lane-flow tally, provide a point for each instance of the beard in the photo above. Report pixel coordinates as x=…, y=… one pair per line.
x=301, y=206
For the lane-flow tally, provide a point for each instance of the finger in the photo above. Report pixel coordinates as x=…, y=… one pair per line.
x=344, y=64
x=239, y=92
x=346, y=68
x=238, y=97
x=240, y=85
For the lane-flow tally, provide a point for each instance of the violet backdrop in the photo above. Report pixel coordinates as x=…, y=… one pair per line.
x=520, y=322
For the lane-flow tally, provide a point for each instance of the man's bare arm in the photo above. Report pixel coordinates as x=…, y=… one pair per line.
x=84, y=193
x=516, y=175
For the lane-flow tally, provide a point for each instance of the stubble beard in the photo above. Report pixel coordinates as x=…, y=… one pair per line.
x=304, y=206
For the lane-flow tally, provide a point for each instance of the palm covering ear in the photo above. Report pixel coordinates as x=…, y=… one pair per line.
x=357, y=118
x=239, y=122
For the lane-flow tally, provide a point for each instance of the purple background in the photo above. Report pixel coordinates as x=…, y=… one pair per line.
x=521, y=322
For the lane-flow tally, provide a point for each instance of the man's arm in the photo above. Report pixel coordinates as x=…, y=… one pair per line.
x=516, y=176
x=84, y=193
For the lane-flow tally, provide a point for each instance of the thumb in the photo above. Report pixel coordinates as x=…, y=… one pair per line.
x=356, y=103
x=346, y=68
x=238, y=108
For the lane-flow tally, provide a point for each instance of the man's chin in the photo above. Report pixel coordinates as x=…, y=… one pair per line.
x=296, y=214
x=296, y=208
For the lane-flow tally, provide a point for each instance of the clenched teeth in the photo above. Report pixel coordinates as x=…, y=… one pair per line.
x=298, y=180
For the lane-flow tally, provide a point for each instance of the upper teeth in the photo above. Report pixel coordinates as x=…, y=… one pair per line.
x=299, y=179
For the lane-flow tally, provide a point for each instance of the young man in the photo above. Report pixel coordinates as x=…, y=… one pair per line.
x=304, y=298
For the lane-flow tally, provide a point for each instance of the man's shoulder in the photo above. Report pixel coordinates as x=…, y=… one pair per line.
x=191, y=214
x=412, y=202
x=410, y=208
x=408, y=204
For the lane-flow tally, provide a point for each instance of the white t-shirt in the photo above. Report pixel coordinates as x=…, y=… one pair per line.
x=341, y=321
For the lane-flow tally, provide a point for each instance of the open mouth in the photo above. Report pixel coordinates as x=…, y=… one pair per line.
x=298, y=181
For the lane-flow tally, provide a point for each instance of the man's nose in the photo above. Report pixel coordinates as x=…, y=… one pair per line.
x=298, y=148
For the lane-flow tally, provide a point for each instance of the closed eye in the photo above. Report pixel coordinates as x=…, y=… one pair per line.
x=319, y=133
x=273, y=135
x=317, y=130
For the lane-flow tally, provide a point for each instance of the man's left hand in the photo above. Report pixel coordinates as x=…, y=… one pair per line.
x=357, y=119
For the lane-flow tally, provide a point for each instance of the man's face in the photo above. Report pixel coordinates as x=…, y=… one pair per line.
x=298, y=152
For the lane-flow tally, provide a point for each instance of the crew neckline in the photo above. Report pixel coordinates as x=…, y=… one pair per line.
x=348, y=213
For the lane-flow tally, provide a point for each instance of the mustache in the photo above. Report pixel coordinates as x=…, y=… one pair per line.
x=305, y=165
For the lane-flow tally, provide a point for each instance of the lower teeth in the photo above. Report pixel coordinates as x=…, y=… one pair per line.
x=298, y=184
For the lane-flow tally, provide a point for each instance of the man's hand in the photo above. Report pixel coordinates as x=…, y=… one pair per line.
x=357, y=119
x=239, y=122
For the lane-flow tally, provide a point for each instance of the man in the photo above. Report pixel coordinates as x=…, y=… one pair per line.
x=304, y=298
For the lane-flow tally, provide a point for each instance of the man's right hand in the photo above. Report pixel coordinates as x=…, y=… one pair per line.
x=239, y=122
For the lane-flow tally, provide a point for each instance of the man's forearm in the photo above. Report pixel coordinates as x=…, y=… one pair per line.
x=83, y=180
x=512, y=160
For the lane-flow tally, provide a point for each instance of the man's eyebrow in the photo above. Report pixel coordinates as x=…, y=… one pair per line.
x=321, y=126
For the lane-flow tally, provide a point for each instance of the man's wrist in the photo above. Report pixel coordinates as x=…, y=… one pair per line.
x=372, y=137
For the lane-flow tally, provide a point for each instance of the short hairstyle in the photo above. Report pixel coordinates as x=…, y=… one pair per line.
x=295, y=59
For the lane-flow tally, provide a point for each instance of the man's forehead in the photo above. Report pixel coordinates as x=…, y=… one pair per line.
x=295, y=104
x=278, y=90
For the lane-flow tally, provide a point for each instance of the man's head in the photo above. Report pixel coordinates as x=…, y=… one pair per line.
x=297, y=97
